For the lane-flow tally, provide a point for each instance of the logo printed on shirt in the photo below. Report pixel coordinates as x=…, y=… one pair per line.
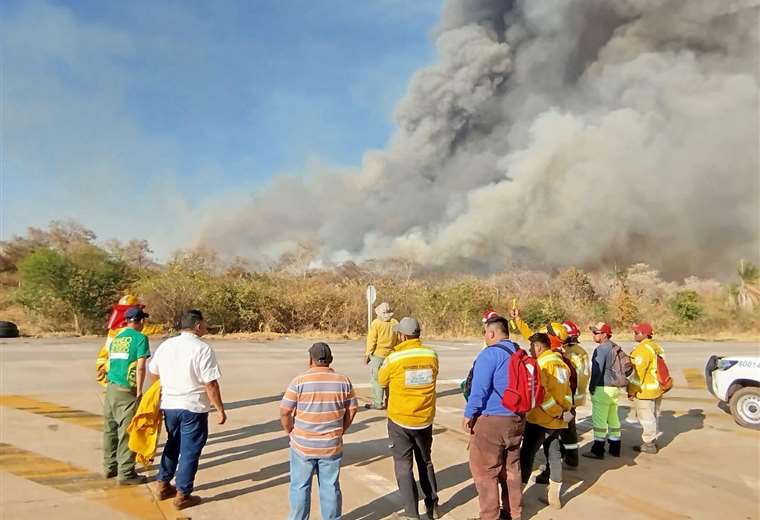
x=418, y=376
x=121, y=344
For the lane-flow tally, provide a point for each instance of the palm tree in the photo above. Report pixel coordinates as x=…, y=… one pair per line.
x=747, y=292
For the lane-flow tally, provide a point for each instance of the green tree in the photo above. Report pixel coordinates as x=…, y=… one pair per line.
x=80, y=283
x=686, y=306
x=538, y=313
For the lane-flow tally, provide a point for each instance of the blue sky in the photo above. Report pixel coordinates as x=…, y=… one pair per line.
x=132, y=117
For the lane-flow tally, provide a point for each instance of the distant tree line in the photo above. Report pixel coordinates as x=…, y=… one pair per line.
x=63, y=279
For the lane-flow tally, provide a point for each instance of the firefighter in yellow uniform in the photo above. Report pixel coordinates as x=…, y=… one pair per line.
x=564, y=338
x=644, y=388
x=582, y=365
x=546, y=421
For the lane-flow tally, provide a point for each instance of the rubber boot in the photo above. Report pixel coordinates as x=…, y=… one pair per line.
x=614, y=448
x=596, y=451
x=554, y=491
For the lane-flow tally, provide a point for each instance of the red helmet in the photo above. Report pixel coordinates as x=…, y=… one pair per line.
x=488, y=315
x=572, y=328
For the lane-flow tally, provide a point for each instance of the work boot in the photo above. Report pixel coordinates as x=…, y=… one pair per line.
x=647, y=447
x=614, y=448
x=433, y=513
x=553, y=495
x=184, y=501
x=596, y=451
x=165, y=490
x=543, y=477
x=134, y=480
x=110, y=473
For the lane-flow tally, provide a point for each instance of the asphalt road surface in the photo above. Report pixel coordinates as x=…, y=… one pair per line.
x=50, y=443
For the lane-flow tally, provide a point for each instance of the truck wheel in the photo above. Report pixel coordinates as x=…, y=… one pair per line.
x=745, y=407
x=8, y=330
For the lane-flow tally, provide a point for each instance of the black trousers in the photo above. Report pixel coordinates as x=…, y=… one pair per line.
x=409, y=445
x=569, y=438
x=533, y=438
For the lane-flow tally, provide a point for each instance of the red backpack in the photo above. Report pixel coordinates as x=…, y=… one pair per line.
x=663, y=372
x=524, y=391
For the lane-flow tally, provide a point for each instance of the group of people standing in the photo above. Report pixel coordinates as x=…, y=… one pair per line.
x=188, y=374
x=319, y=406
x=503, y=442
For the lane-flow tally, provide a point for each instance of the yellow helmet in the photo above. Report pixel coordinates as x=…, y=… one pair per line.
x=129, y=299
x=557, y=329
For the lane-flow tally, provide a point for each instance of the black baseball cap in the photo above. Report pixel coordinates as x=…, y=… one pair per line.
x=321, y=353
x=135, y=314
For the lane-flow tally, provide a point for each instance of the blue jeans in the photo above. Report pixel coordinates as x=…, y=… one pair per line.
x=328, y=476
x=187, y=433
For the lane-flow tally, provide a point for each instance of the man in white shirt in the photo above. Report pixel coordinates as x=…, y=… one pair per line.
x=189, y=378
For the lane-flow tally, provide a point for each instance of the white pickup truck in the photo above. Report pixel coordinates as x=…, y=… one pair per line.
x=735, y=381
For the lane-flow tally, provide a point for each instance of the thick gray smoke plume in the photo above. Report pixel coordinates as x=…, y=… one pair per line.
x=550, y=133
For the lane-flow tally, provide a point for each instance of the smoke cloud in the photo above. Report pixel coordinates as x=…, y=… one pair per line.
x=548, y=133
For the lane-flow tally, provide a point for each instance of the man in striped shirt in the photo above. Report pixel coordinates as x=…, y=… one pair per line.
x=316, y=410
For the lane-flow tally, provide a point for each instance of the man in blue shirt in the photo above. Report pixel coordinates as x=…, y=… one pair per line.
x=496, y=431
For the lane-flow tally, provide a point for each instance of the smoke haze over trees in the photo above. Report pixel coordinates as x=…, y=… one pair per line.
x=549, y=133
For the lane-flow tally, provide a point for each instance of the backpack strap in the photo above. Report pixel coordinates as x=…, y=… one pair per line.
x=505, y=348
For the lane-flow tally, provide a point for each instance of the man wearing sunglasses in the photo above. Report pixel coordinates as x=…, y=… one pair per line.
x=604, y=395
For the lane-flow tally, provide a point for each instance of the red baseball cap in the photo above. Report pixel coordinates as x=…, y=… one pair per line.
x=644, y=328
x=601, y=327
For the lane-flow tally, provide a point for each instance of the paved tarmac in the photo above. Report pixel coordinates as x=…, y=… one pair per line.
x=50, y=443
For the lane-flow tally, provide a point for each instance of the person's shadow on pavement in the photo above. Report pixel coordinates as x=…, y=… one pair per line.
x=590, y=471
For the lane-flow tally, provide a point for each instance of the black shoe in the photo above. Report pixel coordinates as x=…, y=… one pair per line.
x=111, y=473
x=433, y=513
x=596, y=451
x=133, y=481
x=614, y=448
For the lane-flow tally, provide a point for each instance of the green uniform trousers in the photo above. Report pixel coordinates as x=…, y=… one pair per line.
x=378, y=392
x=118, y=410
x=604, y=413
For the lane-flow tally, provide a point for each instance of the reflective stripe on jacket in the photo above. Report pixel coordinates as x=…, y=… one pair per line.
x=555, y=378
x=580, y=360
x=410, y=374
x=643, y=382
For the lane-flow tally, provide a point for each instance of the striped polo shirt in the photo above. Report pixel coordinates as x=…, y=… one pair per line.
x=320, y=399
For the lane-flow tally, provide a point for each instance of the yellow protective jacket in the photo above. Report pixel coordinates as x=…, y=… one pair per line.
x=381, y=339
x=555, y=378
x=525, y=331
x=579, y=358
x=146, y=425
x=643, y=382
x=410, y=374
x=101, y=364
